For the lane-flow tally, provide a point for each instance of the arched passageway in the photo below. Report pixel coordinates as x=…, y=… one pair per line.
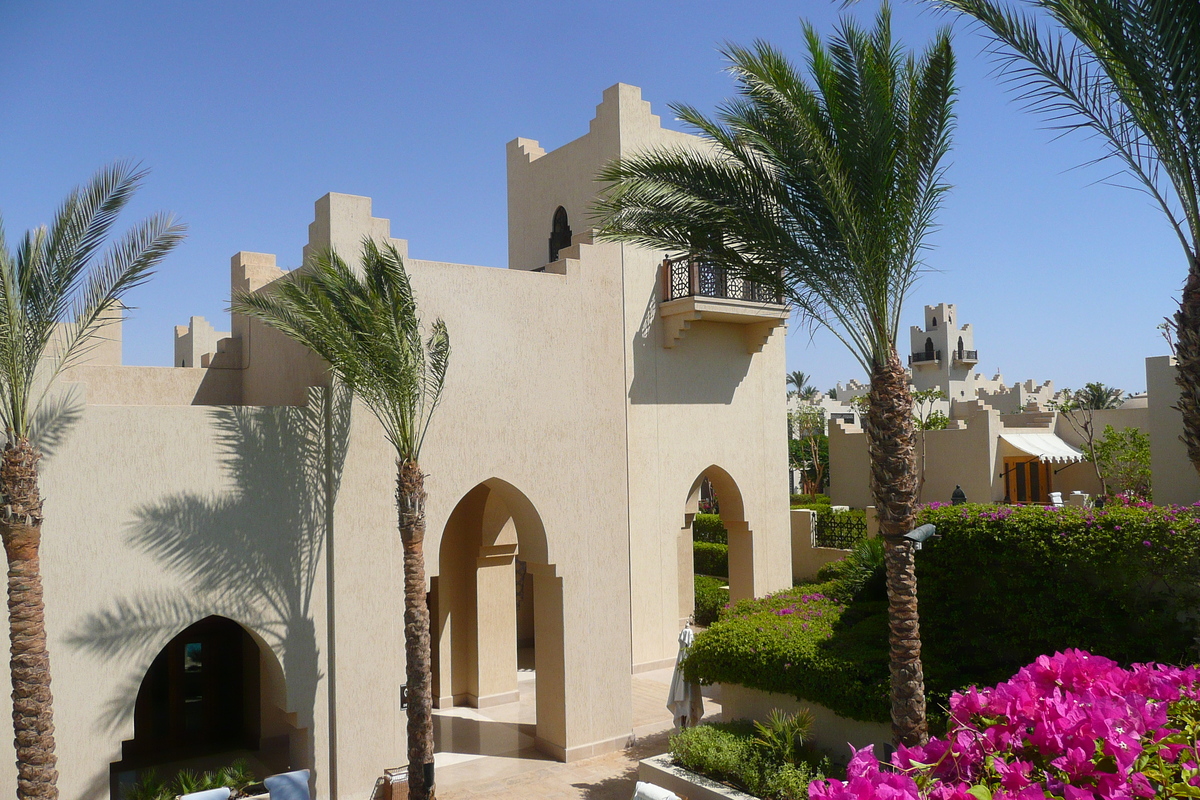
x=213, y=694
x=498, y=618
x=716, y=486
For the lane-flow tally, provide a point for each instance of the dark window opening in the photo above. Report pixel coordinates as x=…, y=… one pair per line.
x=933, y=322
x=200, y=695
x=960, y=348
x=560, y=233
x=928, y=349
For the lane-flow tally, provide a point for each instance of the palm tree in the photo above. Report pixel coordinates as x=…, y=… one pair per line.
x=825, y=191
x=365, y=324
x=799, y=381
x=58, y=290
x=1127, y=71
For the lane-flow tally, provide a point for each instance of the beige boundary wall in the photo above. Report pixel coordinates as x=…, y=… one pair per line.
x=570, y=441
x=830, y=731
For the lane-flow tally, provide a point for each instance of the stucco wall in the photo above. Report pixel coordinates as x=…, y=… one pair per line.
x=1175, y=479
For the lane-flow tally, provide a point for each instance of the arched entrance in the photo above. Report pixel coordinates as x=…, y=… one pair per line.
x=498, y=621
x=213, y=694
x=717, y=486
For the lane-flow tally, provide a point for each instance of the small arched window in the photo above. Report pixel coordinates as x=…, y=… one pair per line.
x=560, y=233
x=928, y=349
x=933, y=322
x=960, y=347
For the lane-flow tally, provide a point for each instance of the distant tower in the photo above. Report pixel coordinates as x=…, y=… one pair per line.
x=943, y=354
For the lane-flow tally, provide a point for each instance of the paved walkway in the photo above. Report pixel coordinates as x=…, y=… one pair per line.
x=489, y=753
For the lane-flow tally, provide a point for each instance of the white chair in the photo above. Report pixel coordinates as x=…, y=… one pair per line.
x=288, y=786
x=209, y=794
x=1056, y=498
x=648, y=791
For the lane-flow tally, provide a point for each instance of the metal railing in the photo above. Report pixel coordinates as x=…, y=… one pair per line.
x=925, y=357
x=690, y=277
x=840, y=529
x=966, y=355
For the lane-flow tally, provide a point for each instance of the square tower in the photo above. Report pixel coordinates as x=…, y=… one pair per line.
x=943, y=353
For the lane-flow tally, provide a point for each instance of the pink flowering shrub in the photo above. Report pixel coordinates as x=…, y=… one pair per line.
x=1072, y=726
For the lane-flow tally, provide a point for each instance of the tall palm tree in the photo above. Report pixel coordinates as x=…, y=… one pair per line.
x=58, y=289
x=1127, y=71
x=365, y=324
x=799, y=381
x=826, y=191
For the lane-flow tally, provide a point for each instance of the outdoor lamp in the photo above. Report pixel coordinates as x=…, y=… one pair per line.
x=921, y=534
x=959, y=497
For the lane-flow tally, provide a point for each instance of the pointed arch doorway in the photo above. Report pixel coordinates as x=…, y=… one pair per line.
x=498, y=624
x=715, y=485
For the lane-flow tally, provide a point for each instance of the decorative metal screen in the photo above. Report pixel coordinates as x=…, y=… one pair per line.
x=689, y=278
x=840, y=530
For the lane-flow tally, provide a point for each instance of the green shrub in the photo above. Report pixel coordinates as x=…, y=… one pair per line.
x=1001, y=586
x=237, y=776
x=1005, y=585
x=803, y=643
x=709, y=528
x=803, y=499
x=710, y=558
x=711, y=597
x=728, y=752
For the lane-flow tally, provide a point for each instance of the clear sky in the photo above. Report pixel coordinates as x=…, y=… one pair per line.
x=247, y=112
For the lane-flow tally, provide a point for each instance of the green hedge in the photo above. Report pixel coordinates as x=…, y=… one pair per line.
x=801, y=642
x=709, y=528
x=730, y=752
x=711, y=597
x=1001, y=586
x=709, y=558
x=805, y=499
x=1006, y=584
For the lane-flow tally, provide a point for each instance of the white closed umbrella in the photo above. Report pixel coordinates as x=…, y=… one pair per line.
x=685, y=701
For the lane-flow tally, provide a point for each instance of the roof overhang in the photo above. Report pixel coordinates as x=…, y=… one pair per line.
x=1043, y=446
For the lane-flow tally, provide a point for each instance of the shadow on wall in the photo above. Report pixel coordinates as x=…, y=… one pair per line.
x=253, y=554
x=710, y=364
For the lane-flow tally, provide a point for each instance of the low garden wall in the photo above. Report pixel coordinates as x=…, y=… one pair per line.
x=831, y=732
x=807, y=557
x=661, y=771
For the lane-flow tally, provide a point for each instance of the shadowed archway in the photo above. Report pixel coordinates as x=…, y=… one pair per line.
x=741, y=548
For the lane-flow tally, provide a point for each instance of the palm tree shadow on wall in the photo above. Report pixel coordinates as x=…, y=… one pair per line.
x=253, y=554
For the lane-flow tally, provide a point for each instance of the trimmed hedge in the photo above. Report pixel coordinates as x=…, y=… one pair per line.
x=732, y=753
x=803, y=643
x=709, y=528
x=1001, y=586
x=711, y=597
x=709, y=558
x=1006, y=584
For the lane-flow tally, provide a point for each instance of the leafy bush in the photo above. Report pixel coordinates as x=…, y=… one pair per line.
x=709, y=528
x=149, y=786
x=1070, y=725
x=711, y=597
x=804, y=643
x=1004, y=585
x=730, y=752
x=804, y=499
x=710, y=558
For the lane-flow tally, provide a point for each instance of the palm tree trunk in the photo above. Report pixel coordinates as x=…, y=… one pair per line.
x=33, y=717
x=891, y=441
x=1187, y=353
x=410, y=504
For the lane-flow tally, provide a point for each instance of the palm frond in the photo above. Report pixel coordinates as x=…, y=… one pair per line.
x=1126, y=71
x=54, y=298
x=824, y=184
x=367, y=327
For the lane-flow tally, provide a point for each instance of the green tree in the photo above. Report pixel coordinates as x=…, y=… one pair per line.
x=1124, y=460
x=58, y=290
x=824, y=188
x=1079, y=410
x=1128, y=72
x=926, y=418
x=365, y=324
x=800, y=385
x=808, y=447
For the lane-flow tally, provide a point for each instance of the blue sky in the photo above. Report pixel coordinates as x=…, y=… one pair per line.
x=247, y=112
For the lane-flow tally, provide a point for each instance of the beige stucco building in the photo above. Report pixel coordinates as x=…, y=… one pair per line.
x=221, y=562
